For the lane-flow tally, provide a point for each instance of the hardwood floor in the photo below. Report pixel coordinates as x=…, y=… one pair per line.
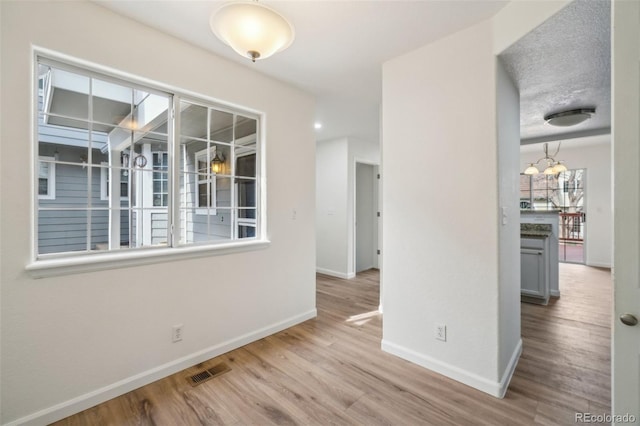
x=330, y=370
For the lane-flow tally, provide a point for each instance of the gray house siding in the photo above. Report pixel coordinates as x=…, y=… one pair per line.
x=63, y=225
x=200, y=226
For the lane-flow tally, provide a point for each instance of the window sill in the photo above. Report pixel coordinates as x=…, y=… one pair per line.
x=116, y=260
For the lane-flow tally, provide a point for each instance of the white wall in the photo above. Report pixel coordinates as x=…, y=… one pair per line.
x=335, y=202
x=331, y=207
x=109, y=331
x=508, y=104
x=442, y=242
x=596, y=158
x=440, y=222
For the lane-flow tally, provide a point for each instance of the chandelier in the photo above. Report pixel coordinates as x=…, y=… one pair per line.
x=553, y=166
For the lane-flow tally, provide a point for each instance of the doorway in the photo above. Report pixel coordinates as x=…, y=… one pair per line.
x=366, y=217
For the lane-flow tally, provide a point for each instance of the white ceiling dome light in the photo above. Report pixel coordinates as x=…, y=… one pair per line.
x=251, y=29
x=569, y=118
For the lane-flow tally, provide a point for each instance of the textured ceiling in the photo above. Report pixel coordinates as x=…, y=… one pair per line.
x=564, y=64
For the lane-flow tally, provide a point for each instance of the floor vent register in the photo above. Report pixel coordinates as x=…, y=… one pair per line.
x=204, y=375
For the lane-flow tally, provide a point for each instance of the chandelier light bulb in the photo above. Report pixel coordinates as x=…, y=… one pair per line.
x=531, y=170
x=559, y=168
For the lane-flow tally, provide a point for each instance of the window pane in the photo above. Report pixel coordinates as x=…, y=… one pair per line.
x=62, y=231
x=193, y=120
x=151, y=112
x=112, y=105
x=188, y=150
x=246, y=130
x=67, y=96
x=245, y=163
x=220, y=225
x=99, y=230
x=222, y=191
x=246, y=213
x=221, y=126
x=245, y=231
x=246, y=193
x=220, y=155
x=189, y=228
x=149, y=227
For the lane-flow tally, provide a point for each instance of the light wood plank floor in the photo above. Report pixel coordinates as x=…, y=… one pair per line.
x=330, y=370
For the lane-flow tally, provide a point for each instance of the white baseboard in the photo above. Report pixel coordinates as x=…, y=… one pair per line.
x=511, y=368
x=599, y=265
x=497, y=389
x=335, y=273
x=88, y=400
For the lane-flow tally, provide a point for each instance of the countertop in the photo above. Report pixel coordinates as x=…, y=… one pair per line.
x=535, y=230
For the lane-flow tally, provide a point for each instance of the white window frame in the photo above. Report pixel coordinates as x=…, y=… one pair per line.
x=64, y=263
x=209, y=154
x=51, y=178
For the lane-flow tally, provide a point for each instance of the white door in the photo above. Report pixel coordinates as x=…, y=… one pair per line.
x=626, y=189
x=366, y=224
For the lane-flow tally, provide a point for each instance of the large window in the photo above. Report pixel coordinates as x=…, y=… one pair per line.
x=125, y=166
x=565, y=193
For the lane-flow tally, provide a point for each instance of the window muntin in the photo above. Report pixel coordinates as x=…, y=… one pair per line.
x=102, y=129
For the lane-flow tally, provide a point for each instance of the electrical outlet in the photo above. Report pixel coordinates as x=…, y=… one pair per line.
x=176, y=334
x=441, y=332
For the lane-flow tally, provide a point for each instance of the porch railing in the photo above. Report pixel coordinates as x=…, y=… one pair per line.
x=571, y=227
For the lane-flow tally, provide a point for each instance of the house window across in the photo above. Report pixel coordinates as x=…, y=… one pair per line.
x=46, y=178
x=122, y=166
x=205, y=197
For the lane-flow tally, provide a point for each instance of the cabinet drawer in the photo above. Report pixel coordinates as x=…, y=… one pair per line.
x=532, y=243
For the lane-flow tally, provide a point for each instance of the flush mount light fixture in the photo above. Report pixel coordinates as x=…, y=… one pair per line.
x=553, y=166
x=251, y=29
x=317, y=126
x=569, y=118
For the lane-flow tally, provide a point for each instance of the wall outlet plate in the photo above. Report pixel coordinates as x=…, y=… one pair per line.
x=441, y=332
x=176, y=333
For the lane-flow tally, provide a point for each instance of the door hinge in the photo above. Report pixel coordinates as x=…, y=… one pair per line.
x=378, y=175
x=378, y=251
x=378, y=214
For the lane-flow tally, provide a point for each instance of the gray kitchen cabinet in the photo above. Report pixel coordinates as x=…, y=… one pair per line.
x=534, y=269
